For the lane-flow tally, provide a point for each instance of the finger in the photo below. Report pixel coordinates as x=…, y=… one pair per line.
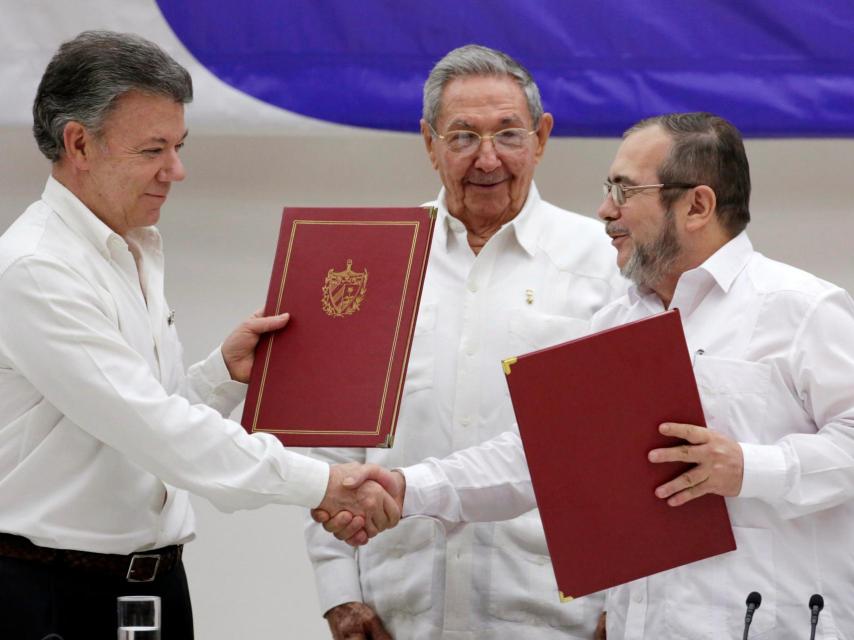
x=371, y=528
x=392, y=511
x=361, y=538
x=375, y=513
x=679, y=453
x=378, y=630
x=690, y=478
x=338, y=521
x=319, y=515
x=690, y=432
x=688, y=494
x=258, y=313
x=347, y=532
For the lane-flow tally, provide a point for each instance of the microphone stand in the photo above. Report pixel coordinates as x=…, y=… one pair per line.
x=753, y=601
x=816, y=605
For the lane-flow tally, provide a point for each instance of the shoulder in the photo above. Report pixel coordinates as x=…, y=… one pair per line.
x=778, y=280
x=39, y=240
x=24, y=235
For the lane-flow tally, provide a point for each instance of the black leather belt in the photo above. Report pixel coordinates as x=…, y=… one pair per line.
x=145, y=566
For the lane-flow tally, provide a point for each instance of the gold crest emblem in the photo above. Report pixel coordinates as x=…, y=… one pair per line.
x=344, y=291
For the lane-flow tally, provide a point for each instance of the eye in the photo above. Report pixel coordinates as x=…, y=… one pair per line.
x=462, y=137
x=152, y=151
x=179, y=146
x=510, y=135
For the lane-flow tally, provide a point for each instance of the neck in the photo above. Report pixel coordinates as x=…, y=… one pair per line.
x=691, y=258
x=480, y=228
x=77, y=184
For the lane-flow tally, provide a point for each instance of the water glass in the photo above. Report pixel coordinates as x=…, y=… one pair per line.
x=139, y=618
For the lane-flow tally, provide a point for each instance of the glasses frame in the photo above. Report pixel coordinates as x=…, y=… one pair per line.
x=619, y=193
x=481, y=138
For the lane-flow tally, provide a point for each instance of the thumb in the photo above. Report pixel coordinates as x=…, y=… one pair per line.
x=356, y=476
x=266, y=324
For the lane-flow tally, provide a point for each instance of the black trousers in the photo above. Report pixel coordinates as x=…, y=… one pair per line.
x=41, y=602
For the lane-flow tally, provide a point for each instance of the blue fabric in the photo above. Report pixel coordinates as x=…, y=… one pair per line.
x=774, y=68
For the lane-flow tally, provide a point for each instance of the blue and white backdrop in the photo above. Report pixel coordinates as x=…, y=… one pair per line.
x=317, y=103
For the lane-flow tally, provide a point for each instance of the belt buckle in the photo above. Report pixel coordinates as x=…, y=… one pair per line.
x=143, y=567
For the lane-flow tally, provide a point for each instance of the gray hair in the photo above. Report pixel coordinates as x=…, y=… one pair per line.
x=476, y=60
x=87, y=76
x=706, y=149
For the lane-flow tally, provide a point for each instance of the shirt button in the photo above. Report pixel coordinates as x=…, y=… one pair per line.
x=638, y=597
x=471, y=350
x=465, y=422
x=473, y=287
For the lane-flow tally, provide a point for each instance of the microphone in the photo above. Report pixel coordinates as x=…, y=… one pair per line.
x=816, y=605
x=753, y=602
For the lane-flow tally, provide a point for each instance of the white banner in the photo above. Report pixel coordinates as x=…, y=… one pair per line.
x=32, y=30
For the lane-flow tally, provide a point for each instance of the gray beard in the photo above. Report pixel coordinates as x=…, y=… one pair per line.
x=651, y=262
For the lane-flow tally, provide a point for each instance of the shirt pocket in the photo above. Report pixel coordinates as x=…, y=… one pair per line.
x=531, y=330
x=523, y=588
x=735, y=396
x=397, y=568
x=419, y=370
x=704, y=600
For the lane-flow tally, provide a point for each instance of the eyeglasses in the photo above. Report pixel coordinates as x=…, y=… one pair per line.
x=464, y=142
x=619, y=192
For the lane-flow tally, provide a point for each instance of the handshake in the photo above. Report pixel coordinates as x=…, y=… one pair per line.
x=361, y=501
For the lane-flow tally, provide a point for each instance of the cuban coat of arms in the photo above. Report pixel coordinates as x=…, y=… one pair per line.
x=344, y=291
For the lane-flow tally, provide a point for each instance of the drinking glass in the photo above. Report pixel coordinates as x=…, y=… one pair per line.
x=139, y=618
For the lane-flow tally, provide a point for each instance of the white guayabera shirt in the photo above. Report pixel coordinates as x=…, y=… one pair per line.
x=98, y=434
x=776, y=374
x=535, y=283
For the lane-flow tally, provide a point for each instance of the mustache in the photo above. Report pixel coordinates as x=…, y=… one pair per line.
x=485, y=179
x=613, y=229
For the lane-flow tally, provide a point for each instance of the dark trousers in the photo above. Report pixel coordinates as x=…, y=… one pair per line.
x=41, y=602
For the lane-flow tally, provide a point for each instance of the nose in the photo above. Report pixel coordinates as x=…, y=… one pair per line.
x=172, y=169
x=608, y=210
x=487, y=159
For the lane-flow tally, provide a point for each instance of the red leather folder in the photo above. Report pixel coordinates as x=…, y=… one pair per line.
x=588, y=413
x=351, y=280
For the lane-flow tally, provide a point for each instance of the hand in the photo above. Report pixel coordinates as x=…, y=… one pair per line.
x=238, y=350
x=600, y=634
x=345, y=526
x=356, y=621
x=360, y=501
x=719, y=464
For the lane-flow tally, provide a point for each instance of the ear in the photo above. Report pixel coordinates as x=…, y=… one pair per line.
x=429, y=143
x=77, y=144
x=702, y=208
x=544, y=129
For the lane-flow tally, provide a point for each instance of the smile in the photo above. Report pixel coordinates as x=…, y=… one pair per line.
x=487, y=185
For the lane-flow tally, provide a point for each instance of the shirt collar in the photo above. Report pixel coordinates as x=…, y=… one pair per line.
x=726, y=263
x=524, y=225
x=80, y=219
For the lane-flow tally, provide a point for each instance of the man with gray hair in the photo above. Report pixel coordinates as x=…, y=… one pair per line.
x=101, y=432
x=508, y=273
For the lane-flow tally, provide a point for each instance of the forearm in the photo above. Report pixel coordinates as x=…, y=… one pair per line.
x=480, y=484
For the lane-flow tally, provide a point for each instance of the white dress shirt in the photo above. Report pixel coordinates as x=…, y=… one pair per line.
x=100, y=430
x=775, y=368
x=535, y=283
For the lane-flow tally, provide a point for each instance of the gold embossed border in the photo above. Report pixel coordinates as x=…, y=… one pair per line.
x=377, y=427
